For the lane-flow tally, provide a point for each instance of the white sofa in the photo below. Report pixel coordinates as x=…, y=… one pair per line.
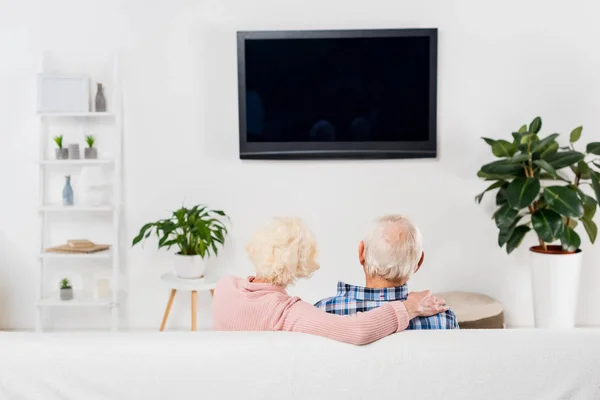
x=491, y=364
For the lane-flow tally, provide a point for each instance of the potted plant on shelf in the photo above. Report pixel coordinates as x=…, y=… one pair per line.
x=60, y=152
x=90, y=152
x=552, y=191
x=196, y=233
x=66, y=291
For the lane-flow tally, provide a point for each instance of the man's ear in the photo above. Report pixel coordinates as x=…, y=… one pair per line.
x=361, y=253
x=420, y=261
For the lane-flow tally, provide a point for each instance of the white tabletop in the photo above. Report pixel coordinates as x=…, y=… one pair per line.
x=176, y=282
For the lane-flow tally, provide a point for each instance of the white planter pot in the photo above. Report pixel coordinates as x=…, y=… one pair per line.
x=189, y=267
x=555, y=285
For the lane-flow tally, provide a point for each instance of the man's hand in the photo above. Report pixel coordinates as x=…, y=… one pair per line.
x=424, y=304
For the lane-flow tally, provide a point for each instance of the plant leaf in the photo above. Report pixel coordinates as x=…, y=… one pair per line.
x=551, y=149
x=584, y=170
x=502, y=148
x=591, y=228
x=570, y=240
x=505, y=216
x=547, y=224
x=541, y=144
x=489, y=141
x=502, y=167
x=522, y=192
x=493, y=186
x=535, y=125
x=516, y=238
x=564, y=159
x=501, y=195
x=523, y=129
x=520, y=158
x=545, y=165
x=505, y=233
x=595, y=183
x=575, y=134
x=564, y=201
x=593, y=148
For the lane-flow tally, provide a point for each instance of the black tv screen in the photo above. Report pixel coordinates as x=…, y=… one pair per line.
x=337, y=94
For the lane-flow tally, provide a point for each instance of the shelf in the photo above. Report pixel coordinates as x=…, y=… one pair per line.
x=77, y=115
x=100, y=255
x=55, y=301
x=76, y=162
x=59, y=208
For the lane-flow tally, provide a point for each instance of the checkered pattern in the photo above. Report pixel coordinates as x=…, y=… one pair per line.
x=351, y=299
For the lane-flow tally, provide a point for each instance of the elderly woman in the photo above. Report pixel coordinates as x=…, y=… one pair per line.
x=283, y=251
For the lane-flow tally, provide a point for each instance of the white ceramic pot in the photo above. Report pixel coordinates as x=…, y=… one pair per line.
x=189, y=267
x=555, y=285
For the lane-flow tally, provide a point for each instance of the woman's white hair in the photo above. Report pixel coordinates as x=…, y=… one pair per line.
x=283, y=250
x=393, y=248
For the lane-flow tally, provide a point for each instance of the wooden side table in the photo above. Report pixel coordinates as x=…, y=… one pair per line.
x=192, y=285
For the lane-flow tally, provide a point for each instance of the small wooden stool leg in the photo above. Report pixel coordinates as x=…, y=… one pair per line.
x=212, y=292
x=169, y=304
x=194, y=293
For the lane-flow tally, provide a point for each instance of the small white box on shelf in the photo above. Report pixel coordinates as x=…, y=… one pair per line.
x=58, y=93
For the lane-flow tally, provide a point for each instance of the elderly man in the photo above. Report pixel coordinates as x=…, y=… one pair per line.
x=390, y=254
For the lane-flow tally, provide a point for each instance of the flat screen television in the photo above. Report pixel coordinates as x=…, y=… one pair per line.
x=337, y=94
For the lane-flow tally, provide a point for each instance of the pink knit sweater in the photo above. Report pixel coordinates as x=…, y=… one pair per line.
x=240, y=305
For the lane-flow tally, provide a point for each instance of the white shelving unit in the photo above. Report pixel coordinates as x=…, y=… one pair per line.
x=47, y=166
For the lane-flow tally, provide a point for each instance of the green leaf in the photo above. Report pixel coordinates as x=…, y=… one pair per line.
x=545, y=165
x=523, y=129
x=501, y=195
x=505, y=216
x=502, y=148
x=591, y=228
x=493, y=186
x=589, y=206
x=489, y=141
x=522, y=192
x=540, y=145
x=593, y=148
x=502, y=167
x=570, y=240
x=520, y=158
x=516, y=238
x=535, y=125
x=595, y=183
x=584, y=170
x=551, y=149
x=564, y=201
x=506, y=232
x=142, y=234
x=564, y=159
x=547, y=224
x=575, y=134
x=516, y=138
x=572, y=223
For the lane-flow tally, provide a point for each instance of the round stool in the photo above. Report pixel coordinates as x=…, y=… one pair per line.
x=193, y=285
x=474, y=310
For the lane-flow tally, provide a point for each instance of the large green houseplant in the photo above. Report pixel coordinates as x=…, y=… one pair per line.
x=548, y=189
x=196, y=232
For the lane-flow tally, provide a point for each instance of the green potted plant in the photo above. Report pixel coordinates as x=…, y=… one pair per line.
x=90, y=152
x=196, y=233
x=551, y=191
x=60, y=152
x=66, y=291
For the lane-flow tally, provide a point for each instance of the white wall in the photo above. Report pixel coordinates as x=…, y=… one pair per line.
x=500, y=64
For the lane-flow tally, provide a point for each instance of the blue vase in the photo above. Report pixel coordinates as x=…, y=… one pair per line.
x=67, y=192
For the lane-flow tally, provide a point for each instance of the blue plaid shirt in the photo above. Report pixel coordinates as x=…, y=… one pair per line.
x=351, y=299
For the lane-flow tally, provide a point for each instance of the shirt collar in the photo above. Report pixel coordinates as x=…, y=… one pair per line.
x=364, y=293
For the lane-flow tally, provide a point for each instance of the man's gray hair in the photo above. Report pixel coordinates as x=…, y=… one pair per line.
x=393, y=248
